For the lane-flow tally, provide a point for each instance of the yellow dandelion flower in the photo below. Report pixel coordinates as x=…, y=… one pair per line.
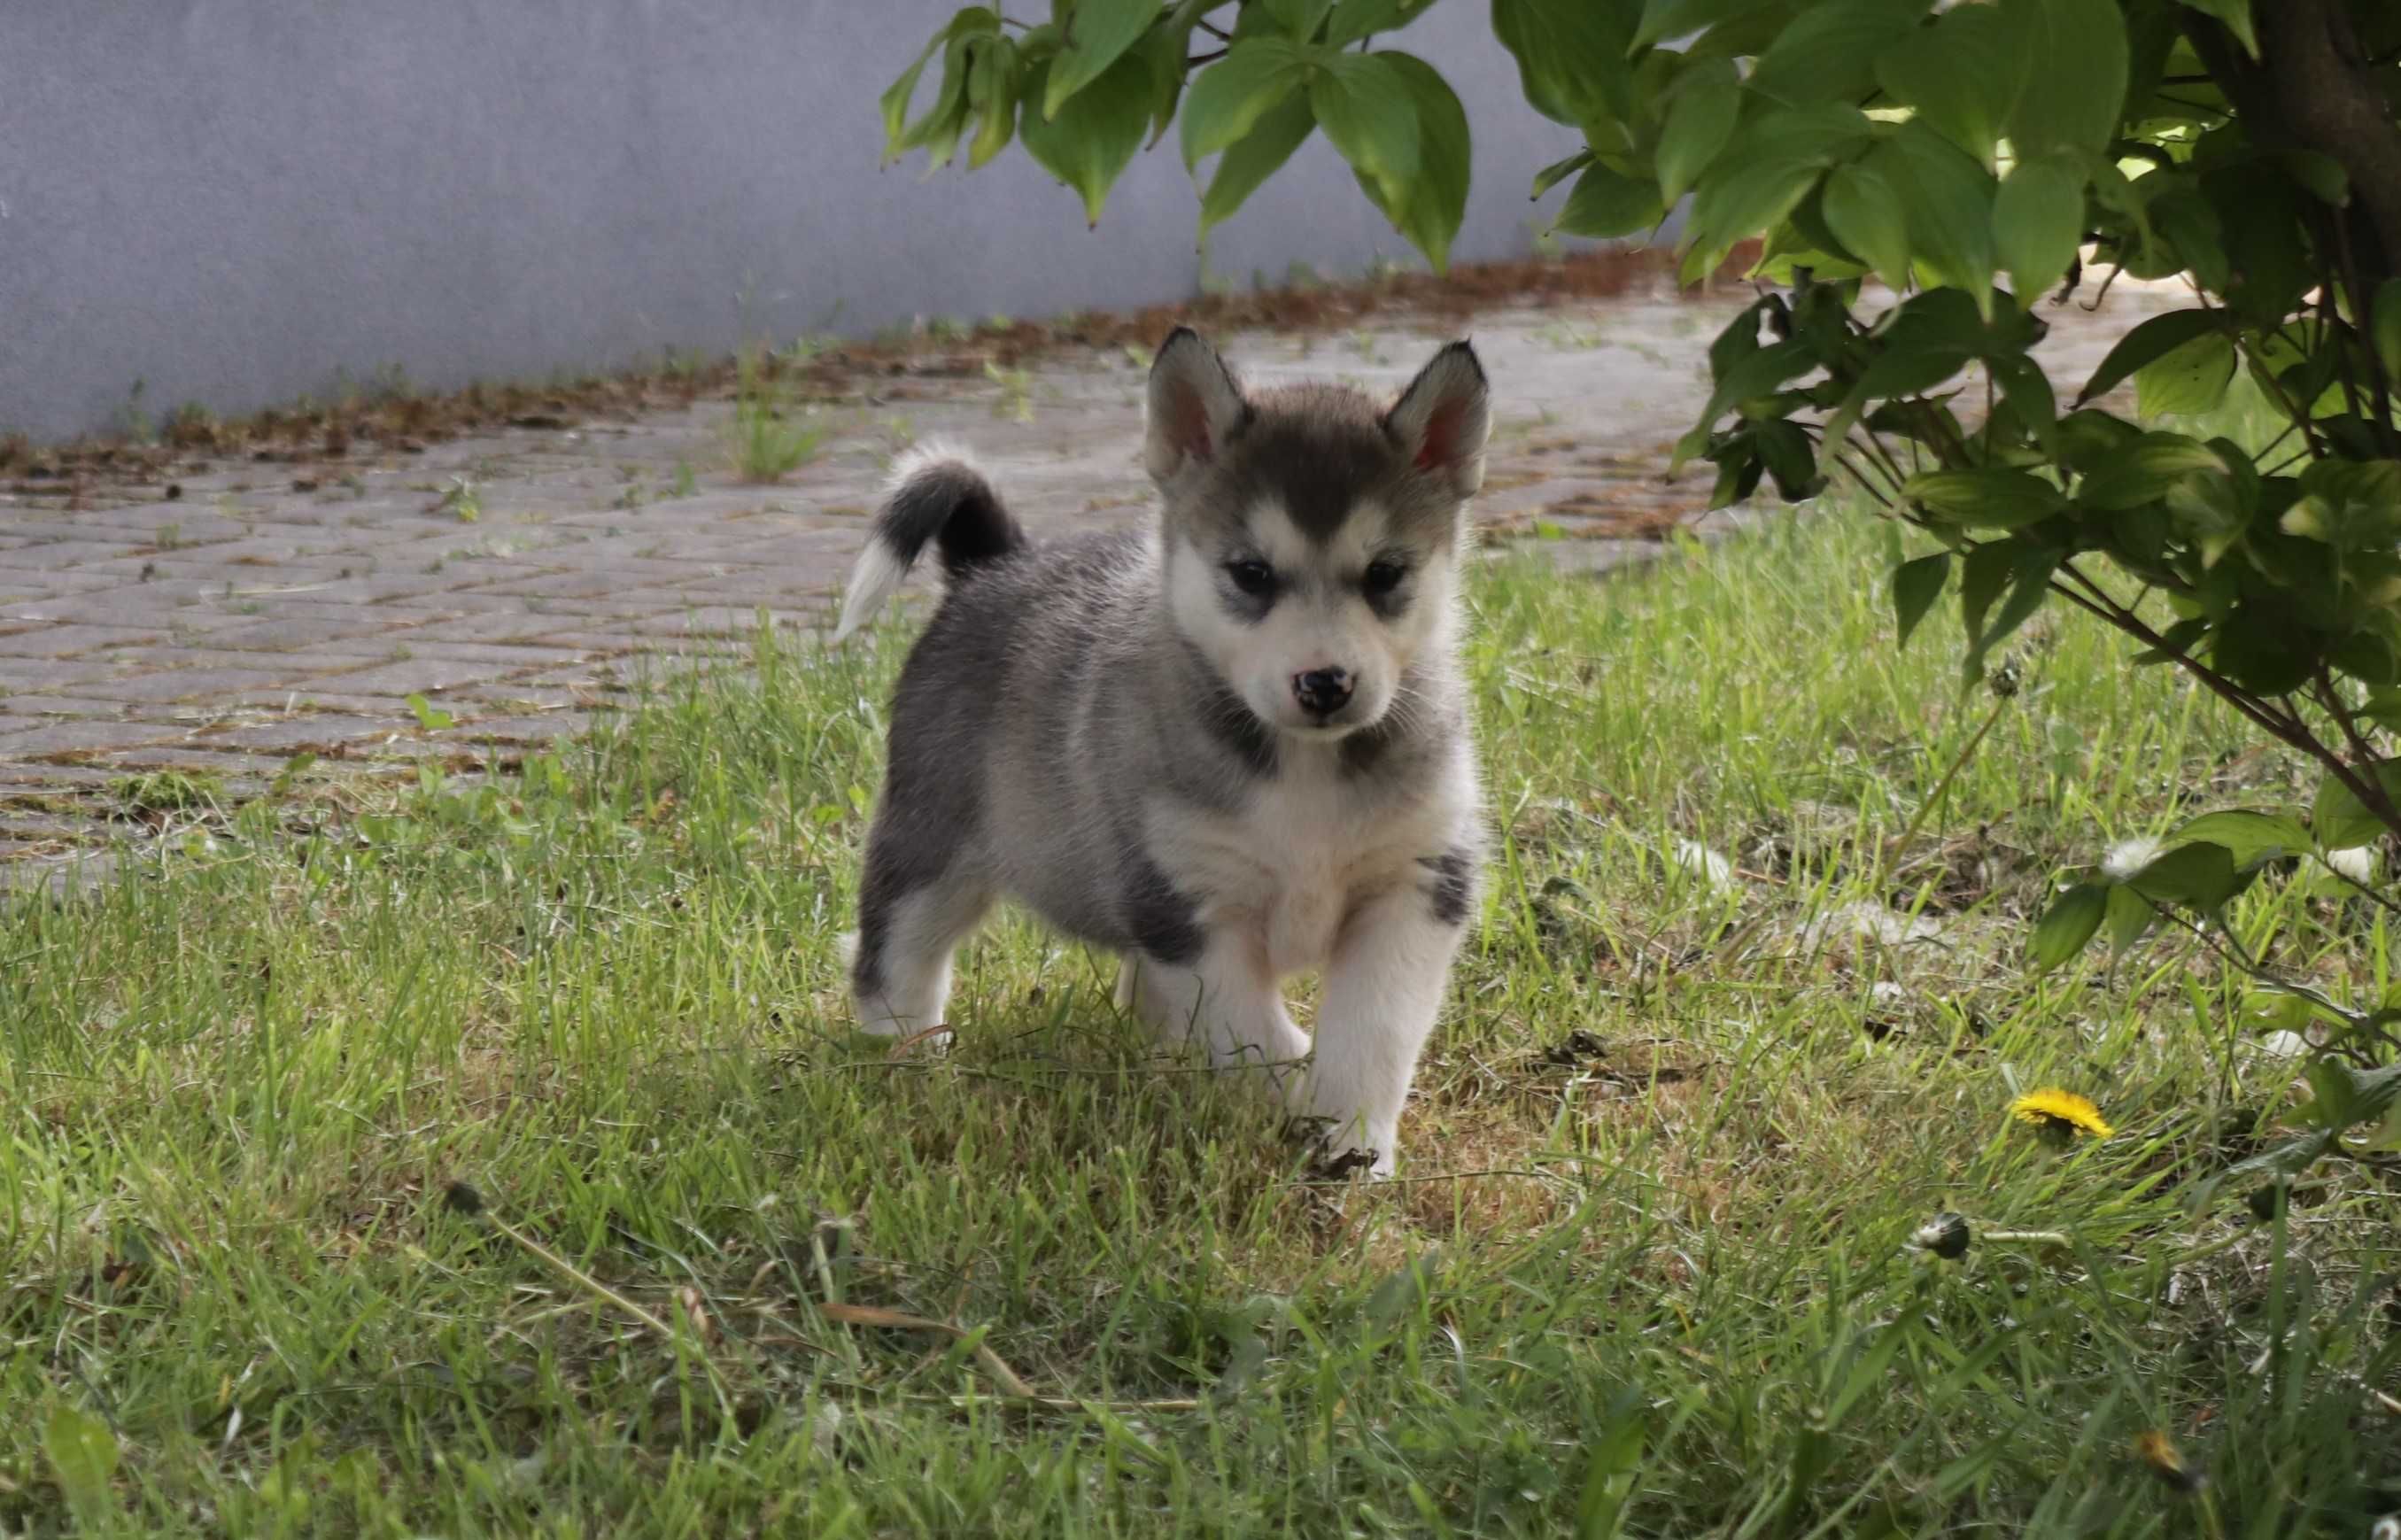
x=2057, y=1111
x=2158, y=1451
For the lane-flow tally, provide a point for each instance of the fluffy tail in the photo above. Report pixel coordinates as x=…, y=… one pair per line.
x=936, y=495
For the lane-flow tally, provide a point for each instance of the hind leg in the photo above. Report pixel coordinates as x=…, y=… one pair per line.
x=1224, y=1001
x=900, y=972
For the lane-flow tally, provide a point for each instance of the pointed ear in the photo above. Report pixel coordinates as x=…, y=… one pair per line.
x=1443, y=418
x=1195, y=405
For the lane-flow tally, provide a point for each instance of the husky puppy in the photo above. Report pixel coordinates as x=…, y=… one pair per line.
x=1232, y=747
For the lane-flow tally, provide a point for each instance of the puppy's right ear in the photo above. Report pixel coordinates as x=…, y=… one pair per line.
x=1195, y=406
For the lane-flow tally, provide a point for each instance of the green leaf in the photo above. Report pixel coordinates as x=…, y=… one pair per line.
x=2128, y=915
x=2075, y=91
x=1770, y=165
x=2344, y=1096
x=83, y=1456
x=2321, y=174
x=1169, y=47
x=1986, y=497
x=1557, y=172
x=2153, y=339
x=1356, y=19
x=2028, y=392
x=1437, y=197
x=1984, y=572
x=896, y=98
x=2340, y=820
x=2285, y=1161
x=1256, y=156
x=2213, y=507
x=1758, y=373
x=1606, y=204
x=1700, y=119
x=2144, y=470
x=1095, y=133
x=2384, y=328
x=1866, y=215
x=938, y=128
x=1570, y=58
x=1740, y=338
x=992, y=95
x=1748, y=198
x=2192, y=227
x=1368, y=111
x=2250, y=838
x=1789, y=458
x=2029, y=574
x=951, y=99
x=2187, y=379
x=1903, y=369
x=1665, y=20
x=2236, y=14
x=2262, y=647
x=2199, y=876
x=1829, y=52
x=1098, y=32
x=2068, y=925
x=1963, y=75
x=430, y=716
x=1916, y=586
x=1613, y=1467
x=1227, y=100
x=2353, y=505
x=1299, y=19
x=2037, y=224
x=1949, y=196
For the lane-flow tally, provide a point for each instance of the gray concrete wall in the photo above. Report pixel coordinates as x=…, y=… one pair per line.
x=238, y=201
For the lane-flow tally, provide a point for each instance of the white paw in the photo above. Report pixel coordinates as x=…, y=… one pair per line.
x=1334, y=1157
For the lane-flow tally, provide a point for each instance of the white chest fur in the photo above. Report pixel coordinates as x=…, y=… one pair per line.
x=1308, y=848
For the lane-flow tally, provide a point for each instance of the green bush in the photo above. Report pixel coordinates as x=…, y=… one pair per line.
x=1973, y=158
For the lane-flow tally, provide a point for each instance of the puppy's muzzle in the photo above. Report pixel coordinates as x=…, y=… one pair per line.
x=1322, y=692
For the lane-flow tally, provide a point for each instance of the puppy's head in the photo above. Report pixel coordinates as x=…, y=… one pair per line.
x=1312, y=534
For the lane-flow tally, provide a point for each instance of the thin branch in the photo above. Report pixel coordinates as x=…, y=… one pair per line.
x=1917, y=820
x=1892, y=466
x=2330, y=698
x=1885, y=499
x=2327, y=313
x=2290, y=733
x=2115, y=268
x=2231, y=950
x=2362, y=301
x=2367, y=892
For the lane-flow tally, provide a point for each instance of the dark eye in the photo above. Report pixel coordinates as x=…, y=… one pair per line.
x=1251, y=576
x=1385, y=576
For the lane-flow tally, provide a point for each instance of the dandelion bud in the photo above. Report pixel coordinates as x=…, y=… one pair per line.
x=1945, y=1235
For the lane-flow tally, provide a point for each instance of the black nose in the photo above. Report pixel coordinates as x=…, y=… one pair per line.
x=1323, y=691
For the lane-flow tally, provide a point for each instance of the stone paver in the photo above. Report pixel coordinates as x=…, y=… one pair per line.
x=269, y=610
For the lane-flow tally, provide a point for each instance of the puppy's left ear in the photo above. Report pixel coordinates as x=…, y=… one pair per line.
x=1443, y=418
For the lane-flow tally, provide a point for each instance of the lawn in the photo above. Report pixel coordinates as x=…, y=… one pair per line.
x=1723, y=1040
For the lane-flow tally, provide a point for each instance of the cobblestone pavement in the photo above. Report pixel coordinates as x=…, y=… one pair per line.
x=250, y=611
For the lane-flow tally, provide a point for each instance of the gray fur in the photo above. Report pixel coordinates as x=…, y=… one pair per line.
x=1048, y=699
x=1061, y=737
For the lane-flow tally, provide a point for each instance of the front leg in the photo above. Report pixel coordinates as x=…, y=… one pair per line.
x=1226, y=1000
x=1383, y=991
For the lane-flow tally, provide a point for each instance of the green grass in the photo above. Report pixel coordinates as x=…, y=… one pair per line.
x=770, y=436
x=1651, y=1281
